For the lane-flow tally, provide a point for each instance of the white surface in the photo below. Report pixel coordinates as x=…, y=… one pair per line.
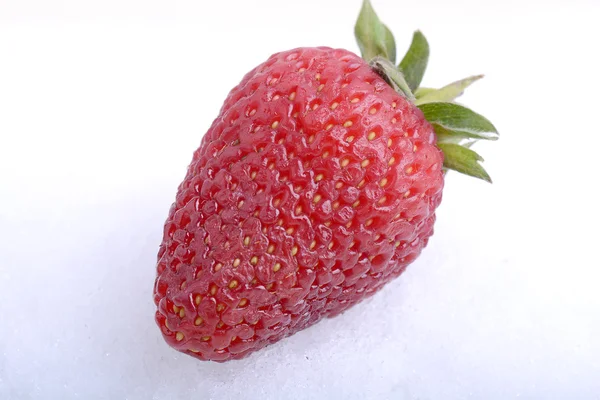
x=101, y=106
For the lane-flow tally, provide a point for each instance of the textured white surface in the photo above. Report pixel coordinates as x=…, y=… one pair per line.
x=101, y=106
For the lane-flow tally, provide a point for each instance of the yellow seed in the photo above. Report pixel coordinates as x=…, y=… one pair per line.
x=350, y=139
x=213, y=290
x=356, y=203
x=295, y=115
x=321, y=86
x=407, y=193
x=276, y=97
x=389, y=143
x=233, y=284
x=317, y=198
x=298, y=210
x=315, y=106
x=382, y=200
x=313, y=244
x=198, y=321
x=397, y=244
x=311, y=138
x=349, y=224
x=328, y=127
x=327, y=223
x=292, y=96
x=371, y=135
x=336, y=205
x=302, y=69
x=344, y=85
x=415, y=148
x=197, y=299
x=220, y=307
x=280, y=222
x=383, y=182
x=364, y=163
x=369, y=222
x=347, y=124
x=252, y=112
x=409, y=170
x=361, y=183
x=243, y=302
x=318, y=177
x=205, y=338
x=241, y=203
x=254, y=260
x=318, y=76
x=181, y=312
x=352, y=244
x=294, y=250
x=345, y=162
x=275, y=124
x=334, y=105
x=272, y=166
x=179, y=336
x=371, y=258
x=338, y=185
x=276, y=267
x=273, y=81
x=271, y=249
x=276, y=202
x=372, y=111
x=236, y=262
x=246, y=240
x=392, y=160
x=394, y=120
x=175, y=309
x=355, y=100
x=289, y=230
x=330, y=245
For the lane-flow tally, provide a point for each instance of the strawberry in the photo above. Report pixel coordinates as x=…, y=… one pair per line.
x=315, y=186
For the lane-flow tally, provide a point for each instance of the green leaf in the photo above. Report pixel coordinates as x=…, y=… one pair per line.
x=447, y=93
x=423, y=91
x=392, y=76
x=459, y=120
x=463, y=160
x=414, y=63
x=456, y=136
x=373, y=37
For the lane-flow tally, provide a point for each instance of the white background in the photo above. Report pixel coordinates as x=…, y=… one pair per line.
x=101, y=106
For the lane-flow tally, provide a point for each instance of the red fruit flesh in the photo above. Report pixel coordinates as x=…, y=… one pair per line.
x=315, y=186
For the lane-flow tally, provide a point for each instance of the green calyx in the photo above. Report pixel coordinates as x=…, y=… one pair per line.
x=457, y=128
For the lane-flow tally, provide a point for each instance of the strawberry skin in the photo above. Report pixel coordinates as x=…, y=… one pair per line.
x=316, y=185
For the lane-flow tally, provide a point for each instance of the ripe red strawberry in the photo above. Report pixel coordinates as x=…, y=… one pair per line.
x=316, y=185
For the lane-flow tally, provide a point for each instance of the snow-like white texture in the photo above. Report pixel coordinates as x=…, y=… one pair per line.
x=101, y=106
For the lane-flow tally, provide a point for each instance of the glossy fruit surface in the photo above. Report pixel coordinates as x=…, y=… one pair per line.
x=315, y=186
